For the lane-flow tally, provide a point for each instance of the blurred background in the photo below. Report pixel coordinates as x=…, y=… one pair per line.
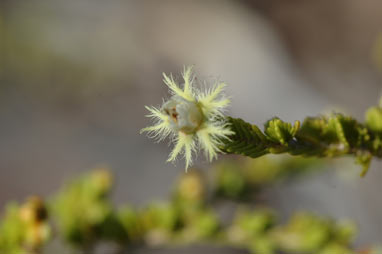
x=75, y=76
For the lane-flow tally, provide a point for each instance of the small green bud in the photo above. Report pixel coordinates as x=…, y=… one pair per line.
x=374, y=119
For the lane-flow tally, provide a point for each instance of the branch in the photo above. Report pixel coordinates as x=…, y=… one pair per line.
x=322, y=136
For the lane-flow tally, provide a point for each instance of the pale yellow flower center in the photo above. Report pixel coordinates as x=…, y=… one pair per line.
x=185, y=116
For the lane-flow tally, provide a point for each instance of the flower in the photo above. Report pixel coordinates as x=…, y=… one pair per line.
x=192, y=117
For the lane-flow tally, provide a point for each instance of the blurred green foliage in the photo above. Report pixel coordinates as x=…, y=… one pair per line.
x=83, y=216
x=83, y=210
x=242, y=179
x=24, y=228
x=306, y=233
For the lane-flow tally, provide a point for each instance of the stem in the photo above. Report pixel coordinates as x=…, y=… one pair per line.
x=333, y=136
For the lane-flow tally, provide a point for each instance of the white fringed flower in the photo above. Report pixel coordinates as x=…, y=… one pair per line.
x=193, y=118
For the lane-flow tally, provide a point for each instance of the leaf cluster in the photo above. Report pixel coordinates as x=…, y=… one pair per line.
x=322, y=136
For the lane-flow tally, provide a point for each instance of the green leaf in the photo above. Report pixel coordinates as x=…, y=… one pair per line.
x=279, y=131
x=248, y=140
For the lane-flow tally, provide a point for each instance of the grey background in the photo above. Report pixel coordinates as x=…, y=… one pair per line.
x=75, y=76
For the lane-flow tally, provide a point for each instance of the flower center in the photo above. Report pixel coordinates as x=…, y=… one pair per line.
x=185, y=116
